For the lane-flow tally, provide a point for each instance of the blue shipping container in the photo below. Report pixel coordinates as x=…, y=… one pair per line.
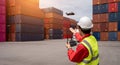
x=119, y=26
x=118, y=16
x=113, y=17
x=112, y=36
x=104, y=8
x=96, y=9
x=119, y=7
x=97, y=35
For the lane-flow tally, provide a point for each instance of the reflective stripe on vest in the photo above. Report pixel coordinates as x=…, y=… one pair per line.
x=93, y=58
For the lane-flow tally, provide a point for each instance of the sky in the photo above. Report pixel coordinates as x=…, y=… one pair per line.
x=79, y=7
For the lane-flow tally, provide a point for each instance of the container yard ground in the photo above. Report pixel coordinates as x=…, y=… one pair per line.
x=51, y=52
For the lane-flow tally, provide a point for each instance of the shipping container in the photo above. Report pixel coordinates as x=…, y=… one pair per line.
x=103, y=1
x=118, y=25
x=119, y=6
x=113, y=7
x=2, y=2
x=96, y=9
x=53, y=26
x=3, y=28
x=104, y=36
x=104, y=27
x=11, y=36
x=55, y=31
x=112, y=17
x=2, y=10
x=27, y=28
x=119, y=36
x=2, y=19
x=53, y=10
x=97, y=35
x=23, y=10
x=53, y=15
x=104, y=17
x=2, y=36
x=118, y=16
x=25, y=37
x=112, y=36
x=103, y=8
x=30, y=3
x=96, y=27
x=113, y=26
x=52, y=21
x=55, y=36
x=96, y=2
x=29, y=37
x=112, y=1
x=96, y=18
x=22, y=19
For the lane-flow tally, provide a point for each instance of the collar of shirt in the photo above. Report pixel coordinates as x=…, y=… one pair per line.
x=86, y=35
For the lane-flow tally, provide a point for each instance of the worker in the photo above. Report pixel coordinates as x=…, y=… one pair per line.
x=86, y=52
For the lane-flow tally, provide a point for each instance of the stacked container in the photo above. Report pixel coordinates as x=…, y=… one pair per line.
x=66, y=26
x=24, y=20
x=2, y=20
x=53, y=23
x=106, y=19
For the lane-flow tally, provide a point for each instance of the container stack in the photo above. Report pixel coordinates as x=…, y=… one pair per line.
x=24, y=20
x=106, y=19
x=66, y=26
x=2, y=20
x=67, y=22
x=53, y=23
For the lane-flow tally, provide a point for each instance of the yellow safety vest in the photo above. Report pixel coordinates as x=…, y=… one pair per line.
x=93, y=58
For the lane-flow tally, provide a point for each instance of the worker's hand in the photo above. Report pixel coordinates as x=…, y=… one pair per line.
x=72, y=30
x=68, y=46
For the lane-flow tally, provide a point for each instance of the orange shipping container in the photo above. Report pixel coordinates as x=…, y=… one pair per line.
x=52, y=20
x=96, y=27
x=96, y=18
x=103, y=1
x=118, y=36
x=30, y=3
x=53, y=15
x=11, y=36
x=103, y=36
x=113, y=26
x=96, y=2
x=29, y=11
x=104, y=27
x=103, y=17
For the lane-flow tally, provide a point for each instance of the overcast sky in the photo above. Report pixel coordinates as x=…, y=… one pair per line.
x=79, y=7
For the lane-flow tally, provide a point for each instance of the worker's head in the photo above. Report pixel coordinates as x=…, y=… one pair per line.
x=85, y=25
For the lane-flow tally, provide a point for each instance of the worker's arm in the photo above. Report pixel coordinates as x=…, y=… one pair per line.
x=78, y=55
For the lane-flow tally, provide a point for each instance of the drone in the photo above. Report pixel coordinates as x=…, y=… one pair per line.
x=70, y=13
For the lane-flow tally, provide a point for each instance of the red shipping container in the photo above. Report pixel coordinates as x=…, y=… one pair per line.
x=113, y=26
x=2, y=2
x=96, y=27
x=113, y=7
x=96, y=2
x=96, y=18
x=118, y=36
x=2, y=10
x=103, y=1
x=104, y=27
x=103, y=36
x=3, y=28
x=2, y=19
x=111, y=1
x=104, y=17
x=2, y=37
